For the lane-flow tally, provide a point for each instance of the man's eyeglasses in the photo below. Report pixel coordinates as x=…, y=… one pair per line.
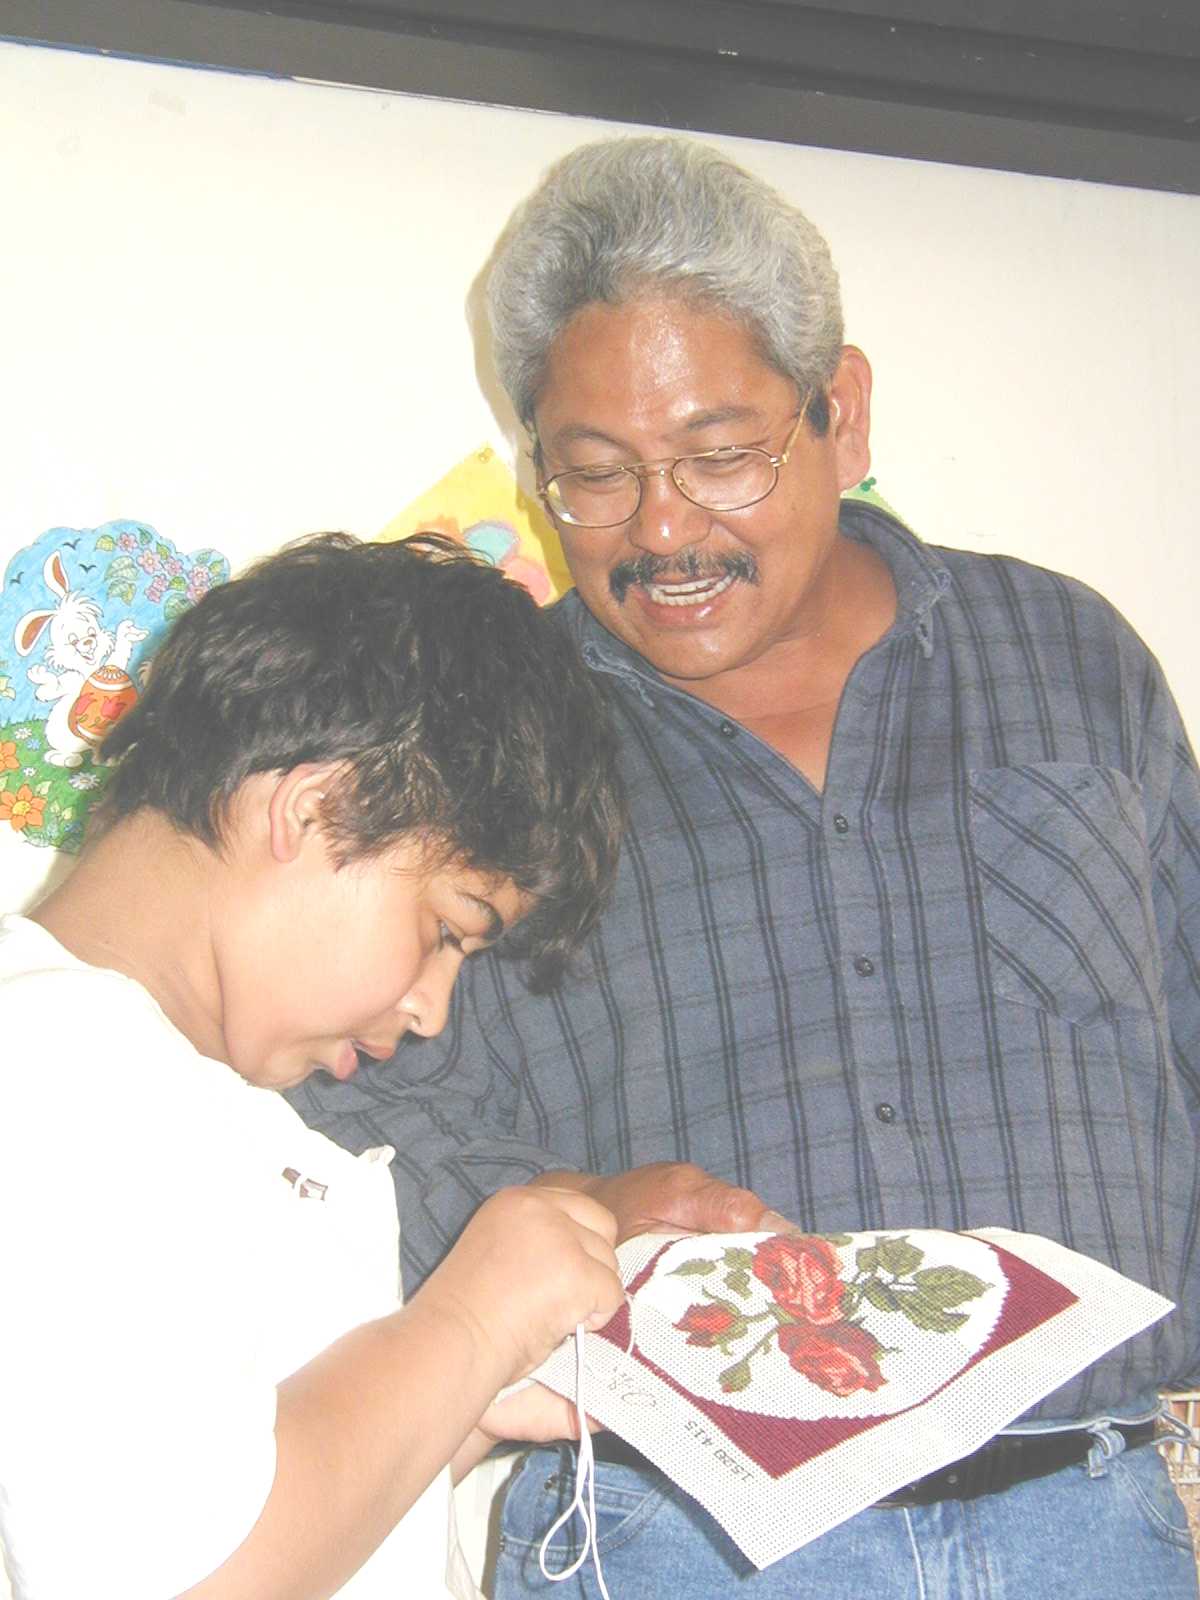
x=728, y=479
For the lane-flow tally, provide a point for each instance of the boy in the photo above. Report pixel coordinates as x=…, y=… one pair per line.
x=351, y=769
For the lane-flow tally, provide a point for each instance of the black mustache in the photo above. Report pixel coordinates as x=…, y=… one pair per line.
x=648, y=569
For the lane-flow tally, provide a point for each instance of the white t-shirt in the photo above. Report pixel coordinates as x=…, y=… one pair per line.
x=173, y=1243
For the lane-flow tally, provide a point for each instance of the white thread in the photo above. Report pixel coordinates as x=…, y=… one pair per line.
x=585, y=1481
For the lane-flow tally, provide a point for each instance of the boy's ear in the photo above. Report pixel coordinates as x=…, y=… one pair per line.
x=294, y=807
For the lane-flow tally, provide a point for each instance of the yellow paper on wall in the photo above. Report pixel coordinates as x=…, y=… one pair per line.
x=480, y=503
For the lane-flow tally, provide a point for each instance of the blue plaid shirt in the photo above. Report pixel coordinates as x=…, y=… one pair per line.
x=960, y=987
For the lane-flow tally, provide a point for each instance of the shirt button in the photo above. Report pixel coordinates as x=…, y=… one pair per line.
x=840, y=825
x=728, y=730
x=885, y=1112
x=864, y=966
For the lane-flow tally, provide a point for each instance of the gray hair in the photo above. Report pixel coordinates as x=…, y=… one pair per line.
x=624, y=217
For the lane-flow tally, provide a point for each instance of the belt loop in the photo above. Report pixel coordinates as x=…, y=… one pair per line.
x=1107, y=1443
x=1175, y=1430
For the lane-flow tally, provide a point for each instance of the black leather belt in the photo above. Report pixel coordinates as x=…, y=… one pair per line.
x=1006, y=1460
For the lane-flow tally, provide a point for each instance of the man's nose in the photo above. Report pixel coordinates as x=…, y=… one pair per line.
x=666, y=520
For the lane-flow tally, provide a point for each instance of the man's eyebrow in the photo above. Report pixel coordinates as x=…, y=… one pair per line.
x=579, y=432
x=719, y=414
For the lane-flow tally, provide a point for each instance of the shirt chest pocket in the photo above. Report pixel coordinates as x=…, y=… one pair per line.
x=1065, y=879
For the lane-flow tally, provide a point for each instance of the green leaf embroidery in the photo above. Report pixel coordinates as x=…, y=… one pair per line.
x=929, y=1315
x=739, y=1282
x=735, y=1377
x=693, y=1269
x=880, y=1296
x=736, y=1256
x=897, y=1256
x=948, y=1286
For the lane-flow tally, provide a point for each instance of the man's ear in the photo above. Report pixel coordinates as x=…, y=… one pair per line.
x=294, y=807
x=850, y=417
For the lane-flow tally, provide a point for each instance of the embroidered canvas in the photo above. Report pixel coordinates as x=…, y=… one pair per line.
x=787, y=1382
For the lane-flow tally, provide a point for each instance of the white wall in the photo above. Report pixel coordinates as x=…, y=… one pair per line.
x=234, y=308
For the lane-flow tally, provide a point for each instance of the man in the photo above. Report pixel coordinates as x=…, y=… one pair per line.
x=907, y=928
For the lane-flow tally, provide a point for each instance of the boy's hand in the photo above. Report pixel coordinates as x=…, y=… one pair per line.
x=534, y=1413
x=530, y=1265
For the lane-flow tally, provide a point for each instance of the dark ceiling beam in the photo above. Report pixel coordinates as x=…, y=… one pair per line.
x=1039, y=101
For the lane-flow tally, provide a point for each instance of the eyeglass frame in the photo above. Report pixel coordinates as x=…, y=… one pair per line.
x=641, y=470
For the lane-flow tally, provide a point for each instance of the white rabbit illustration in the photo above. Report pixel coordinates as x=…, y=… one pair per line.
x=82, y=658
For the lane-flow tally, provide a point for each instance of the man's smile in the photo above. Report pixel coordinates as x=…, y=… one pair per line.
x=683, y=579
x=689, y=593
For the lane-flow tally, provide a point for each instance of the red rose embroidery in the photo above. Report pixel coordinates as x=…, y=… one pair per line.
x=842, y=1361
x=705, y=1325
x=802, y=1273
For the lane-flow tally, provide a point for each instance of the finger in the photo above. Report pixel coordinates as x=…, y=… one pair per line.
x=581, y=1208
x=772, y=1222
x=608, y=1296
x=717, y=1207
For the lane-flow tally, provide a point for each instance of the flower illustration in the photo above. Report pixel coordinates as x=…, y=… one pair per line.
x=802, y=1273
x=8, y=756
x=84, y=780
x=22, y=809
x=816, y=1306
x=707, y=1325
x=22, y=732
x=148, y=561
x=843, y=1360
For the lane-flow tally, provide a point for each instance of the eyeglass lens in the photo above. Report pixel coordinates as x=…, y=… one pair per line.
x=724, y=482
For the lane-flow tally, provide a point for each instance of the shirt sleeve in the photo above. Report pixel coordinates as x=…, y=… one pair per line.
x=448, y=1108
x=137, y=1443
x=1172, y=790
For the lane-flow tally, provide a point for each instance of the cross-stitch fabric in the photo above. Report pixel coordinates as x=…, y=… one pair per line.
x=789, y=1381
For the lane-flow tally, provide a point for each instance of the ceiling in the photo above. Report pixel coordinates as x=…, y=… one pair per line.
x=1102, y=90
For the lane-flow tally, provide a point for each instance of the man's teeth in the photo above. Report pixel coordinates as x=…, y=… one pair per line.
x=688, y=594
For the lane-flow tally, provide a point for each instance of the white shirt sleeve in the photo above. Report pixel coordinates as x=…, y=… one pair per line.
x=136, y=1423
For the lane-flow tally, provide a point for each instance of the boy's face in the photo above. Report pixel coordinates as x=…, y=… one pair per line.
x=330, y=962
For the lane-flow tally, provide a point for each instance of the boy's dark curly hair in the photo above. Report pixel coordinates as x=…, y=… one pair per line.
x=463, y=715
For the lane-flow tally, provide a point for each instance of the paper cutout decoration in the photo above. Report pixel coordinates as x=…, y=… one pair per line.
x=480, y=503
x=788, y=1382
x=81, y=612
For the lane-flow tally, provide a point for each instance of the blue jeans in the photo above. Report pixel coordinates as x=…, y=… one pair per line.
x=1068, y=1536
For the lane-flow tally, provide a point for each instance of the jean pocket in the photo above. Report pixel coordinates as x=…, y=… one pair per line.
x=1143, y=1478
x=626, y=1501
x=1065, y=879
